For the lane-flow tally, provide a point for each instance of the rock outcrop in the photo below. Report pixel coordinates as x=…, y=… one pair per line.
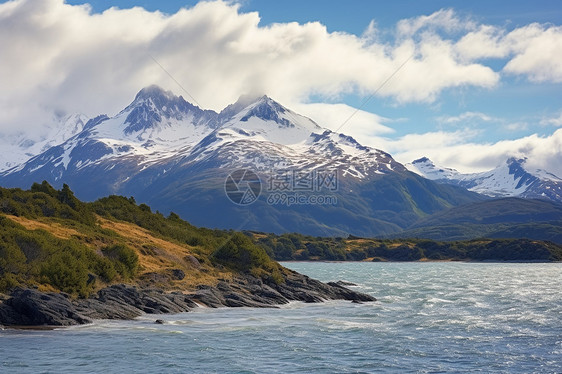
x=29, y=307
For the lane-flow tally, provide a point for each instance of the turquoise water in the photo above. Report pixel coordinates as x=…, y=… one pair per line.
x=430, y=317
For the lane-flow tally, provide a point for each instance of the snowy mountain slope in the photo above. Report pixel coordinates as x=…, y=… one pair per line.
x=267, y=120
x=513, y=178
x=18, y=148
x=175, y=156
x=427, y=169
x=156, y=126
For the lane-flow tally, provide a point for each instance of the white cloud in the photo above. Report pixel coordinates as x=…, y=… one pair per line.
x=371, y=32
x=62, y=58
x=516, y=126
x=444, y=19
x=456, y=150
x=533, y=50
x=343, y=117
x=552, y=121
x=485, y=42
x=433, y=69
x=465, y=117
x=413, y=146
x=537, y=52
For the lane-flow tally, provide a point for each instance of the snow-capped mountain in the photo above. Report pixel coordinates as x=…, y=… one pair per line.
x=176, y=156
x=513, y=178
x=265, y=136
x=18, y=148
x=158, y=127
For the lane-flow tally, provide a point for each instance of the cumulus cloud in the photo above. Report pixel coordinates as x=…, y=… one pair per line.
x=413, y=146
x=533, y=50
x=464, y=117
x=444, y=19
x=457, y=149
x=60, y=58
x=485, y=42
x=336, y=116
x=537, y=52
x=552, y=121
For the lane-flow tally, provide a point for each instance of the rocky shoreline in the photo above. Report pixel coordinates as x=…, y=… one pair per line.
x=32, y=308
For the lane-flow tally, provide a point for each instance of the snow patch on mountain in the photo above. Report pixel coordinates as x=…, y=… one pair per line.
x=267, y=120
x=427, y=169
x=17, y=149
x=512, y=178
x=160, y=132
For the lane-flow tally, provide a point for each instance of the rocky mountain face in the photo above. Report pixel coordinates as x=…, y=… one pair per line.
x=511, y=179
x=299, y=176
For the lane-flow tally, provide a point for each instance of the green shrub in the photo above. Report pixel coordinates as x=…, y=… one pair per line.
x=104, y=268
x=65, y=271
x=240, y=253
x=125, y=260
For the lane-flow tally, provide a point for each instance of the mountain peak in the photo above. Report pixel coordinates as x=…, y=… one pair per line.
x=423, y=160
x=428, y=169
x=513, y=177
x=243, y=102
x=266, y=109
x=154, y=92
x=249, y=99
x=152, y=105
x=519, y=161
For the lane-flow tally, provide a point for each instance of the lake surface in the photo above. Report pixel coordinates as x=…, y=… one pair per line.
x=430, y=317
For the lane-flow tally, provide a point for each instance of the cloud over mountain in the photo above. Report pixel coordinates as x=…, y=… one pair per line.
x=59, y=59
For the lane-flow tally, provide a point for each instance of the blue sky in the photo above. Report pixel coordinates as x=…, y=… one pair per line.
x=353, y=16
x=498, y=96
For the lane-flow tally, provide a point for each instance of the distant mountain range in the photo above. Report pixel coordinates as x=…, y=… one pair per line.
x=513, y=178
x=257, y=165
x=176, y=157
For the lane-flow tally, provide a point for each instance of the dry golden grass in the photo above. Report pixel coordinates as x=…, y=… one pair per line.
x=358, y=241
x=396, y=245
x=355, y=244
x=54, y=228
x=163, y=252
x=157, y=255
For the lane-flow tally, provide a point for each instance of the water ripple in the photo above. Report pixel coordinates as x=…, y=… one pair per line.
x=431, y=317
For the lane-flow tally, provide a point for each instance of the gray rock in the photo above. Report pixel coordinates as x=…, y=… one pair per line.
x=193, y=261
x=178, y=274
x=29, y=307
x=345, y=283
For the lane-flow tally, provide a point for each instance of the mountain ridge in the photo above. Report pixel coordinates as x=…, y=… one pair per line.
x=511, y=178
x=176, y=156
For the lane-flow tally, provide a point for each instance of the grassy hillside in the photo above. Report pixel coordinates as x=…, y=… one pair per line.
x=500, y=218
x=300, y=247
x=51, y=240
